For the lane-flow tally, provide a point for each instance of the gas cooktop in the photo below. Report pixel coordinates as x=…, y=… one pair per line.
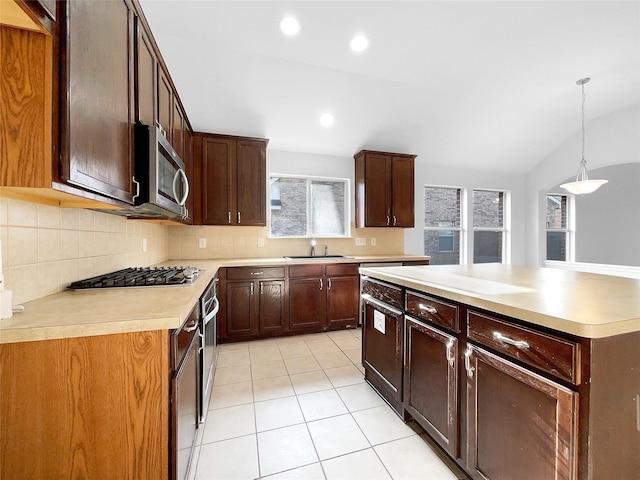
x=140, y=277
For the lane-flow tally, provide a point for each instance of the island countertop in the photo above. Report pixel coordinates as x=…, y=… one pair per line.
x=583, y=304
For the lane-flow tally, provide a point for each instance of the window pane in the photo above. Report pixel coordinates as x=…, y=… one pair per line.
x=556, y=211
x=488, y=209
x=487, y=247
x=289, y=207
x=327, y=208
x=443, y=246
x=441, y=205
x=557, y=246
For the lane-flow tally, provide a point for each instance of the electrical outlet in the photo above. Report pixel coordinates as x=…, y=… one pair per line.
x=202, y=243
x=260, y=242
x=144, y=244
x=361, y=242
x=373, y=241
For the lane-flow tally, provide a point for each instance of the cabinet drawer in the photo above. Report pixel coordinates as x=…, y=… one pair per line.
x=342, y=270
x=433, y=311
x=306, y=271
x=254, y=273
x=383, y=292
x=554, y=355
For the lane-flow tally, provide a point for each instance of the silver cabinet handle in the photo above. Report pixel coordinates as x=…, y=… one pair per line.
x=257, y=273
x=192, y=327
x=251, y=288
x=450, y=356
x=467, y=362
x=394, y=219
x=509, y=341
x=320, y=284
x=238, y=217
x=388, y=219
x=137, y=183
x=427, y=308
x=328, y=284
x=229, y=217
x=261, y=288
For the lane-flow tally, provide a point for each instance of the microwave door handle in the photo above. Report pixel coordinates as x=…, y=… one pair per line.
x=181, y=201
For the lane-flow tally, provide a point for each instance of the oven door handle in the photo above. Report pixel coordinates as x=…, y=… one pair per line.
x=209, y=316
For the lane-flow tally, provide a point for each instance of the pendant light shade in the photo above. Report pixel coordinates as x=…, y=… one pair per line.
x=582, y=184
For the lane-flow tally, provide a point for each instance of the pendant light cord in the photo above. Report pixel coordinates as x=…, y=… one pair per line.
x=584, y=97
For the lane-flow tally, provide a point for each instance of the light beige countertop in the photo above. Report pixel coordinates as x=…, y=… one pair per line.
x=79, y=313
x=584, y=304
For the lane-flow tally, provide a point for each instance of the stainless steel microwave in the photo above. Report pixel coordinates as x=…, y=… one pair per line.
x=161, y=182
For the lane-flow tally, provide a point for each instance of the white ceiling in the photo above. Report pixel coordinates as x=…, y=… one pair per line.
x=478, y=84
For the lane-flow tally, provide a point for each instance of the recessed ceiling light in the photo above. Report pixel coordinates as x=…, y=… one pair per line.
x=359, y=43
x=290, y=26
x=326, y=120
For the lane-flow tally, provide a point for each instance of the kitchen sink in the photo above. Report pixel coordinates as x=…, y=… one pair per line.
x=314, y=257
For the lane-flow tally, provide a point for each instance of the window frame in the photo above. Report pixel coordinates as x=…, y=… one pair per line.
x=506, y=223
x=309, y=179
x=462, y=229
x=570, y=229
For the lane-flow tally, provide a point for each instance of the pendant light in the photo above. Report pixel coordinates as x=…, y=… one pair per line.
x=583, y=184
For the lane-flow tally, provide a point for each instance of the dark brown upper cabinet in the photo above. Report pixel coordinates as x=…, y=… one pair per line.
x=146, y=77
x=384, y=189
x=97, y=102
x=233, y=175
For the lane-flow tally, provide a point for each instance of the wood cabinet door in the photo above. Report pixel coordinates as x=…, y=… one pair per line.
x=377, y=190
x=240, y=309
x=193, y=183
x=342, y=301
x=431, y=392
x=402, y=192
x=165, y=103
x=217, y=157
x=272, y=306
x=177, y=137
x=307, y=303
x=146, y=81
x=250, y=183
x=98, y=102
x=382, y=349
x=519, y=424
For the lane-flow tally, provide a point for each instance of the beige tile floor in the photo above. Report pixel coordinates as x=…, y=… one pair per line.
x=299, y=408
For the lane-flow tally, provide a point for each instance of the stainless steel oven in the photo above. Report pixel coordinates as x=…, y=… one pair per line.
x=209, y=307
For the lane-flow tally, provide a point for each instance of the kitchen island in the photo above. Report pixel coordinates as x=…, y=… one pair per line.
x=516, y=372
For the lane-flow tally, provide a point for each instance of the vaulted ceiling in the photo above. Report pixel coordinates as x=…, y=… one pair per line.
x=473, y=84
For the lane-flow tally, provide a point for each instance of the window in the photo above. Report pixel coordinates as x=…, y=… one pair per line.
x=559, y=232
x=490, y=242
x=308, y=207
x=442, y=224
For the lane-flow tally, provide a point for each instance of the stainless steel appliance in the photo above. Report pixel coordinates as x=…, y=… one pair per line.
x=161, y=180
x=209, y=307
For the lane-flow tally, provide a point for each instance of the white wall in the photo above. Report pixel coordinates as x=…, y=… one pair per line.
x=610, y=140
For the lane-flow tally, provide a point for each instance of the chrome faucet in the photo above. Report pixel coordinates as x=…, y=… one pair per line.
x=326, y=250
x=313, y=248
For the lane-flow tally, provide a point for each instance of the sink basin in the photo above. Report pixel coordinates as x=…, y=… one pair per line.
x=316, y=257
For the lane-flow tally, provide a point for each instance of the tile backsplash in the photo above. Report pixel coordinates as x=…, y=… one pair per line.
x=254, y=242
x=45, y=248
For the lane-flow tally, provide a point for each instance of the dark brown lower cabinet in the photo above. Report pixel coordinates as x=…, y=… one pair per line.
x=431, y=393
x=519, y=424
x=272, y=306
x=307, y=301
x=382, y=349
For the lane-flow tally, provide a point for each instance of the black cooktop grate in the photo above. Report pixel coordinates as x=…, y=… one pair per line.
x=140, y=277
